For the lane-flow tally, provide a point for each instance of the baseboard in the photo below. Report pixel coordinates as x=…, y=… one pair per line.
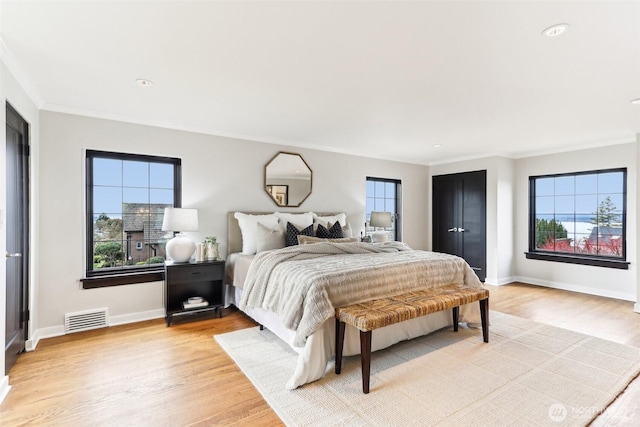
x=577, y=288
x=50, y=332
x=56, y=331
x=136, y=317
x=636, y=307
x=4, y=387
x=499, y=282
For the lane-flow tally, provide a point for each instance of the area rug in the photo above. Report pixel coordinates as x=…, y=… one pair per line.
x=529, y=374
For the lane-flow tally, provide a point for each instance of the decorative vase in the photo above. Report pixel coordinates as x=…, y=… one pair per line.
x=212, y=251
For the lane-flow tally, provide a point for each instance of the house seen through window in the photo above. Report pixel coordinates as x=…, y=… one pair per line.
x=579, y=218
x=126, y=197
x=384, y=195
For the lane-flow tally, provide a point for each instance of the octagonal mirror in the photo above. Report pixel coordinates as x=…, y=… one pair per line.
x=287, y=179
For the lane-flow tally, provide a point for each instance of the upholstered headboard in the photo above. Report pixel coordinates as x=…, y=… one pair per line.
x=234, y=236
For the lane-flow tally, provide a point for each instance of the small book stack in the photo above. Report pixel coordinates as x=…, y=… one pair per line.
x=195, y=302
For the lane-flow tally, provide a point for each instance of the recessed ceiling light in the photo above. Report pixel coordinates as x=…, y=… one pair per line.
x=555, y=30
x=144, y=82
x=636, y=101
x=437, y=146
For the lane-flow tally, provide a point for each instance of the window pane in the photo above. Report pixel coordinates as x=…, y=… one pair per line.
x=107, y=200
x=379, y=205
x=135, y=195
x=161, y=197
x=544, y=187
x=107, y=172
x=544, y=205
x=107, y=227
x=610, y=182
x=586, y=184
x=564, y=185
x=379, y=189
x=564, y=205
x=161, y=175
x=390, y=206
x=586, y=205
x=108, y=254
x=136, y=174
x=390, y=190
x=610, y=202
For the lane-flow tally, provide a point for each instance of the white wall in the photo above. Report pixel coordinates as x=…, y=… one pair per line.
x=500, y=269
x=636, y=307
x=593, y=280
x=10, y=91
x=219, y=175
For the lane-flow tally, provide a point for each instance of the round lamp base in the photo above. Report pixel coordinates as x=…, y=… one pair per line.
x=379, y=236
x=180, y=248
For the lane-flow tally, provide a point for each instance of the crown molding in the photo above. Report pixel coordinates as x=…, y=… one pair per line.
x=16, y=71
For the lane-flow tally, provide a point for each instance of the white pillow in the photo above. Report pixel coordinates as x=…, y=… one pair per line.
x=249, y=228
x=342, y=217
x=269, y=238
x=301, y=221
x=347, y=231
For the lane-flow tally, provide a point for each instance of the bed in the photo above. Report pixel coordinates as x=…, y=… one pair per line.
x=293, y=291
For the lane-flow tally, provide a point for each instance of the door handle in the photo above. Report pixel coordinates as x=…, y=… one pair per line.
x=452, y=230
x=461, y=230
x=14, y=255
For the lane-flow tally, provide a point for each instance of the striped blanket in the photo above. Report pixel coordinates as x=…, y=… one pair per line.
x=303, y=284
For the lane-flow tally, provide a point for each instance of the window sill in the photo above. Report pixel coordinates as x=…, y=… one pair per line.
x=118, y=279
x=569, y=259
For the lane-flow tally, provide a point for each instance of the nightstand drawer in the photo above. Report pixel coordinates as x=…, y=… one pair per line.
x=194, y=273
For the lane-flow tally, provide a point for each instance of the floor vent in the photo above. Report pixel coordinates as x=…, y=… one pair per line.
x=85, y=320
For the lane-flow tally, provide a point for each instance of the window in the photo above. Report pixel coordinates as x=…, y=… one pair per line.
x=126, y=197
x=385, y=195
x=579, y=218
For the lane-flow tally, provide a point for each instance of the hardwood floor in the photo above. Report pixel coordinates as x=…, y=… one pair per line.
x=146, y=374
x=142, y=374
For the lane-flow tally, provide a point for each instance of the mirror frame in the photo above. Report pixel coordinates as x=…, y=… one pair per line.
x=266, y=185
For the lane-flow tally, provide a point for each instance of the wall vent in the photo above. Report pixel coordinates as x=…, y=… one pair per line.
x=85, y=320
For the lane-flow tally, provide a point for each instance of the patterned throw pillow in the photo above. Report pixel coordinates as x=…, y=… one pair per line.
x=293, y=232
x=334, y=232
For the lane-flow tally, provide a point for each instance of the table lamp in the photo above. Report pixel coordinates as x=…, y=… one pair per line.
x=181, y=247
x=382, y=220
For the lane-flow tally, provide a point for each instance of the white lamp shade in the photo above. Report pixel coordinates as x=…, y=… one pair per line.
x=181, y=247
x=179, y=219
x=380, y=219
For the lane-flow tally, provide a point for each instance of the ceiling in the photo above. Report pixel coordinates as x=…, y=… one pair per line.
x=422, y=81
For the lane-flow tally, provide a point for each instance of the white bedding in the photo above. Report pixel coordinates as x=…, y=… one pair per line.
x=319, y=346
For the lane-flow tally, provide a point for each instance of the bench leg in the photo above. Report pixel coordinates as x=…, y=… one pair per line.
x=484, y=316
x=456, y=312
x=365, y=357
x=339, y=344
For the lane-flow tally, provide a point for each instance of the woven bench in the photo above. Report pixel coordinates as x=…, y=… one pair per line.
x=374, y=314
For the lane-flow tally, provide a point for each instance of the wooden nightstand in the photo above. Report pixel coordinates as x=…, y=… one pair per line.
x=193, y=279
